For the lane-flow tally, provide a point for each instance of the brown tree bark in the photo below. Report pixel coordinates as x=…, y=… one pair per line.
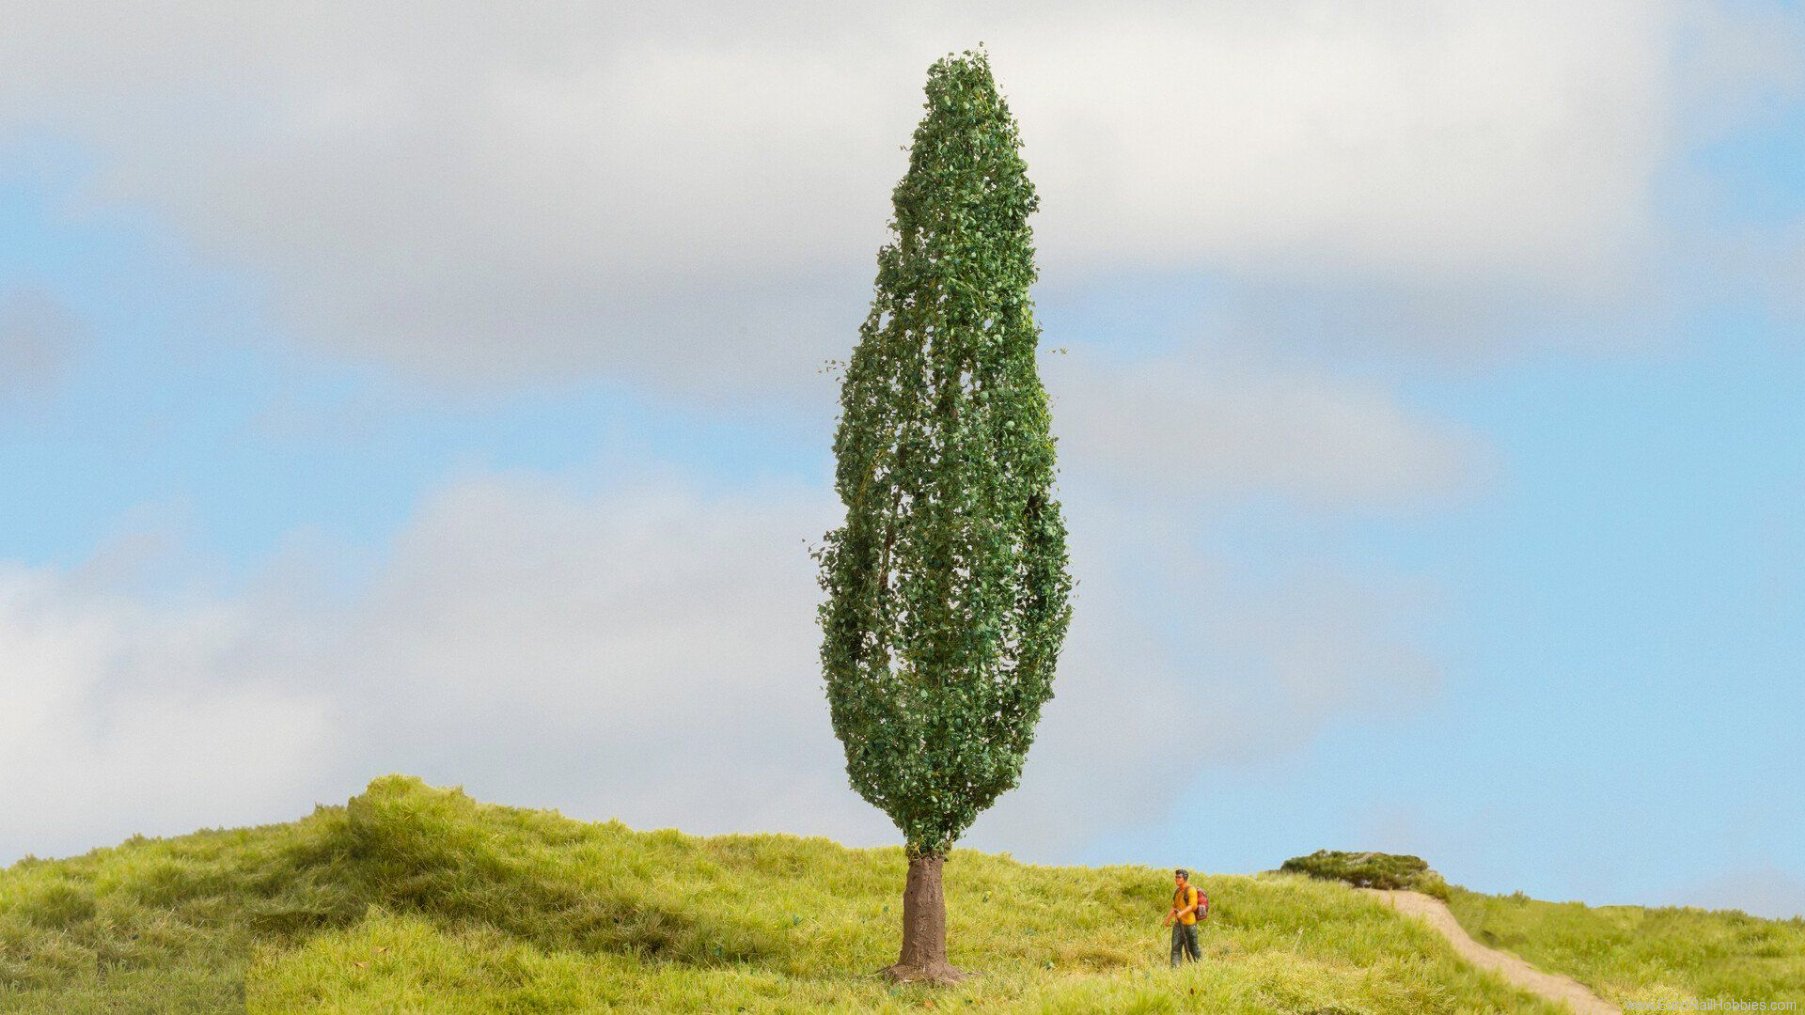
x=924, y=927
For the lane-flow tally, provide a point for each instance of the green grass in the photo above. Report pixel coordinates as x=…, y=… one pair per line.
x=1682, y=956
x=413, y=899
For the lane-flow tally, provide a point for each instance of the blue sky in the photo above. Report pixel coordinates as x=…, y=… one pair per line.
x=449, y=399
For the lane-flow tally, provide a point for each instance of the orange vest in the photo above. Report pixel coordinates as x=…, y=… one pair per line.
x=1186, y=896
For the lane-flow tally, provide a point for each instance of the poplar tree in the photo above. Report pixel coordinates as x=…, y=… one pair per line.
x=946, y=585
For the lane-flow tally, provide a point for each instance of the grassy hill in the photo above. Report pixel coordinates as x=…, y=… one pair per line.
x=414, y=899
x=1674, y=956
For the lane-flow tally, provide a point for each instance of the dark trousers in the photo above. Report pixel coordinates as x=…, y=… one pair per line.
x=1184, y=943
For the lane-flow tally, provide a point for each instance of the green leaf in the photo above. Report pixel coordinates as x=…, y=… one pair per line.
x=946, y=586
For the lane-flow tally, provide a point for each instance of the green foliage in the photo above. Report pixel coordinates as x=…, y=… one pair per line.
x=414, y=899
x=1682, y=958
x=946, y=587
x=1392, y=871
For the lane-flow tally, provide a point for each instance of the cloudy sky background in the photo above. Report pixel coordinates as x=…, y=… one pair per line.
x=441, y=390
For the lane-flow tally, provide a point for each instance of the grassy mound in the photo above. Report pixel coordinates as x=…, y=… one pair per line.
x=1390, y=871
x=414, y=899
x=1679, y=958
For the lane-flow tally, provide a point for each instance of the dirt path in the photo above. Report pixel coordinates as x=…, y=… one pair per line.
x=1514, y=970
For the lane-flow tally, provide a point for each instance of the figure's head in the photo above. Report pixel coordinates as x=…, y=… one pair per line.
x=1180, y=876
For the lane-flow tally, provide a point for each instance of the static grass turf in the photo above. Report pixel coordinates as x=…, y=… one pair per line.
x=416, y=899
x=1682, y=957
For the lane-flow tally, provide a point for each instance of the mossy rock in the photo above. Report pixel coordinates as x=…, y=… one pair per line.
x=1389, y=871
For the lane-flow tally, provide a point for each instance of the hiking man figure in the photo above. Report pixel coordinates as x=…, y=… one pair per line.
x=1182, y=918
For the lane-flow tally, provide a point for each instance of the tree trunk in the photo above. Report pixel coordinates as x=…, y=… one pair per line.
x=924, y=927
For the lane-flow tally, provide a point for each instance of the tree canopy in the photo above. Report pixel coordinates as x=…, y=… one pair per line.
x=947, y=589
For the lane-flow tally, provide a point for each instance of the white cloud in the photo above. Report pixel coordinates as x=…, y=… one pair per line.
x=1194, y=427
x=39, y=339
x=1744, y=65
x=692, y=196
x=1180, y=659
x=646, y=653
x=1389, y=139
x=119, y=718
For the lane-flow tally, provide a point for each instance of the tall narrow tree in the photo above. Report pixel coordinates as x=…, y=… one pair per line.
x=946, y=586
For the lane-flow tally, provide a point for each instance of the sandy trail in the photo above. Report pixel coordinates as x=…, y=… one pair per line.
x=1514, y=970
